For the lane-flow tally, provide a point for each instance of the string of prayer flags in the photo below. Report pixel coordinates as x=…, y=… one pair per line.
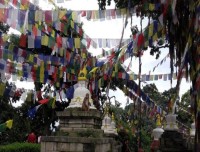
x=34, y=26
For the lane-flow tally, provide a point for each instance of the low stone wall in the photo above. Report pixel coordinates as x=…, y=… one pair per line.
x=81, y=144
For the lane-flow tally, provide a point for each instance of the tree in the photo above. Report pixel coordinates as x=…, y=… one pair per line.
x=185, y=101
x=127, y=123
x=184, y=111
x=152, y=91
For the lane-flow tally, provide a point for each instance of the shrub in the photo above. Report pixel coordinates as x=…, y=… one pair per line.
x=20, y=147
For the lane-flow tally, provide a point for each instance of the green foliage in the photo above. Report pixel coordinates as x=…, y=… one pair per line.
x=14, y=39
x=184, y=114
x=118, y=3
x=185, y=100
x=153, y=93
x=127, y=122
x=184, y=118
x=3, y=27
x=146, y=139
x=20, y=147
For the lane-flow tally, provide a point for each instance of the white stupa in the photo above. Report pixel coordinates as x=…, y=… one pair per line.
x=108, y=124
x=81, y=91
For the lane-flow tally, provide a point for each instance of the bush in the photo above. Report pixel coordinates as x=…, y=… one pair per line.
x=20, y=147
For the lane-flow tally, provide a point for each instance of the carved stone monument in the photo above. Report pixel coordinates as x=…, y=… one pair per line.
x=80, y=128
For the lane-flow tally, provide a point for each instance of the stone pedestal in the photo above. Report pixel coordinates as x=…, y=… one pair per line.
x=75, y=122
x=81, y=144
x=79, y=131
x=173, y=141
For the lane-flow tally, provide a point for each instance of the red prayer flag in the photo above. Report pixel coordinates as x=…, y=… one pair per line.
x=120, y=75
x=34, y=29
x=68, y=55
x=48, y=16
x=44, y=101
x=59, y=41
x=22, y=40
x=14, y=2
x=83, y=13
x=140, y=40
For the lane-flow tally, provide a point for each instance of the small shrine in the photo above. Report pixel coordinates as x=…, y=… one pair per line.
x=172, y=140
x=108, y=125
x=81, y=127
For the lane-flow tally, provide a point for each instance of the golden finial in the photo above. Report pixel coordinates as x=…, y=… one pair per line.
x=158, y=120
x=82, y=74
x=113, y=118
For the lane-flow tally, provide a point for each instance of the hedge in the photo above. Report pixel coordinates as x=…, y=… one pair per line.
x=20, y=147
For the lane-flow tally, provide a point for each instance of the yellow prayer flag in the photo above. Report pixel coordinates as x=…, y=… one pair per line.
x=61, y=14
x=151, y=7
x=151, y=77
x=10, y=56
x=99, y=82
x=146, y=43
x=9, y=123
x=45, y=40
x=83, y=55
x=53, y=34
x=61, y=52
x=60, y=72
x=131, y=76
x=96, y=14
x=174, y=76
x=36, y=15
x=74, y=15
x=94, y=70
x=11, y=47
x=150, y=30
x=155, y=37
x=19, y=74
x=2, y=88
x=30, y=58
x=113, y=74
x=53, y=103
x=6, y=2
x=72, y=24
x=77, y=42
x=5, y=37
x=123, y=11
x=57, y=84
x=116, y=68
x=42, y=71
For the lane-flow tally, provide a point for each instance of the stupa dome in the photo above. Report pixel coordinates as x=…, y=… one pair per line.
x=81, y=91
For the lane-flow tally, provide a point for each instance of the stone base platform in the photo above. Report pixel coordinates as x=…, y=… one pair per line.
x=76, y=118
x=173, y=141
x=78, y=144
x=80, y=131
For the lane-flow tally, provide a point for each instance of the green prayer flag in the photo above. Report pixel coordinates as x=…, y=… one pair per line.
x=3, y=127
